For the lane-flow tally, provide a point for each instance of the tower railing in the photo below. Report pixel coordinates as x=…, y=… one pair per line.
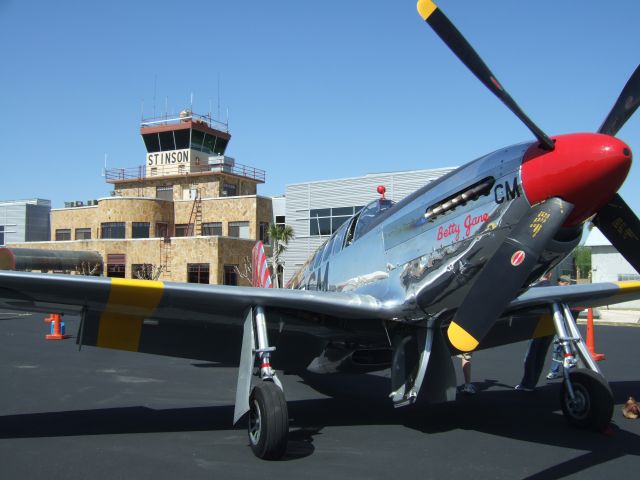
x=140, y=172
x=172, y=118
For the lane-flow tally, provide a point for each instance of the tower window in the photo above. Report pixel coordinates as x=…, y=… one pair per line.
x=198, y=272
x=212, y=228
x=239, y=229
x=63, y=234
x=229, y=190
x=140, y=230
x=112, y=230
x=83, y=234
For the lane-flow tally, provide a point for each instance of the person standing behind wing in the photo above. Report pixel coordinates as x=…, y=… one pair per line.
x=536, y=352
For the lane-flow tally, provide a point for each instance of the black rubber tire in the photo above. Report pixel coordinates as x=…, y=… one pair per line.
x=268, y=421
x=594, y=401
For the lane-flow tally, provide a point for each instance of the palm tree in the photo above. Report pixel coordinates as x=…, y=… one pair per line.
x=279, y=236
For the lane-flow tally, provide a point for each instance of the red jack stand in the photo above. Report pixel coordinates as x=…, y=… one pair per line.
x=591, y=342
x=57, y=330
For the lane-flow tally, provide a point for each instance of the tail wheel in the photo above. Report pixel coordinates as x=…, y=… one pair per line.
x=592, y=407
x=268, y=421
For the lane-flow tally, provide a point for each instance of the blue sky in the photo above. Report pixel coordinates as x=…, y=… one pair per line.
x=315, y=90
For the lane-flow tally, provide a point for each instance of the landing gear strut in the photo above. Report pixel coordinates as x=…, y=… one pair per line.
x=268, y=427
x=586, y=398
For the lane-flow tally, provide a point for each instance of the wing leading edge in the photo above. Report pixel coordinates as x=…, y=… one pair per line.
x=115, y=309
x=576, y=296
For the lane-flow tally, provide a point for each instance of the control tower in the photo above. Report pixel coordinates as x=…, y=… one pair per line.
x=189, y=213
x=184, y=145
x=188, y=145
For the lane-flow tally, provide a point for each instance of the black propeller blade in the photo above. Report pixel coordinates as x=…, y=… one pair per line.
x=622, y=227
x=505, y=273
x=616, y=220
x=624, y=107
x=450, y=35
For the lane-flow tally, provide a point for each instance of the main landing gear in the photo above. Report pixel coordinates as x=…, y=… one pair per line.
x=591, y=405
x=268, y=426
x=268, y=421
x=586, y=398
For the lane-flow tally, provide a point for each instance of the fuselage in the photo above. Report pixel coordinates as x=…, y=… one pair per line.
x=422, y=255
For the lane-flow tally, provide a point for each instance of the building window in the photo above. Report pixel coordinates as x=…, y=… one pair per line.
x=162, y=230
x=83, y=234
x=212, y=228
x=140, y=230
x=198, y=272
x=623, y=277
x=230, y=275
x=229, y=190
x=116, y=265
x=1, y=234
x=239, y=229
x=325, y=221
x=143, y=271
x=112, y=230
x=184, y=229
x=280, y=220
x=264, y=233
x=164, y=192
x=63, y=234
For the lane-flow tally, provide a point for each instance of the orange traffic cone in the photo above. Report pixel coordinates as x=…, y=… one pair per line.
x=56, y=328
x=591, y=342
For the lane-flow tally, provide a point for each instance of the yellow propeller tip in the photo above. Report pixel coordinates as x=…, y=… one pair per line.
x=461, y=339
x=426, y=8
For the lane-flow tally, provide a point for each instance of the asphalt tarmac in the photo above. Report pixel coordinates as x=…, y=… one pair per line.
x=109, y=414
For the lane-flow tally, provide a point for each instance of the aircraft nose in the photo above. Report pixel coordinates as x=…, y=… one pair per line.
x=585, y=169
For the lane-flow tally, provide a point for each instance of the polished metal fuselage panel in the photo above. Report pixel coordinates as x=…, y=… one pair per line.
x=420, y=268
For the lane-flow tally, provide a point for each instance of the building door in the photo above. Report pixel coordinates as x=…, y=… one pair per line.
x=230, y=275
x=116, y=265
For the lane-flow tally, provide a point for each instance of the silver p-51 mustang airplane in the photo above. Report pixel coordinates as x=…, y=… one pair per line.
x=403, y=285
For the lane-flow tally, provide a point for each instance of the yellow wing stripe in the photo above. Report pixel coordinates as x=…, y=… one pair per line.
x=130, y=302
x=545, y=327
x=629, y=285
x=426, y=8
x=460, y=338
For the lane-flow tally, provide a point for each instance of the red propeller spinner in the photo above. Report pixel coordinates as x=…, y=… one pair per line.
x=585, y=169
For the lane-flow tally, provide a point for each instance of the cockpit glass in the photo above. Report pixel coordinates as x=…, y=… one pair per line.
x=329, y=247
x=369, y=213
x=318, y=257
x=340, y=234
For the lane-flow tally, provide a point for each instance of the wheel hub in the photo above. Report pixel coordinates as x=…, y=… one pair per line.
x=579, y=407
x=255, y=423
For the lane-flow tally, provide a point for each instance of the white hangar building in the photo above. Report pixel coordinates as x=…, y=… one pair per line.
x=607, y=265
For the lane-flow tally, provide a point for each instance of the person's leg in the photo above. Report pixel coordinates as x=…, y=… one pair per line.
x=534, y=362
x=556, y=360
x=466, y=370
x=468, y=387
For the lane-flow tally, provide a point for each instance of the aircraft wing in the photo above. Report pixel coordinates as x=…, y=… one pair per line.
x=576, y=296
x=167, y=318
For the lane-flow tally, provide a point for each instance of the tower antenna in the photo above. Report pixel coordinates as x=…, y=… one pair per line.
x=155, y=83
x=104, y=170
x=219, y=118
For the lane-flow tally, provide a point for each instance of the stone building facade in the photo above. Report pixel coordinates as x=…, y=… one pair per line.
x=190, y=214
